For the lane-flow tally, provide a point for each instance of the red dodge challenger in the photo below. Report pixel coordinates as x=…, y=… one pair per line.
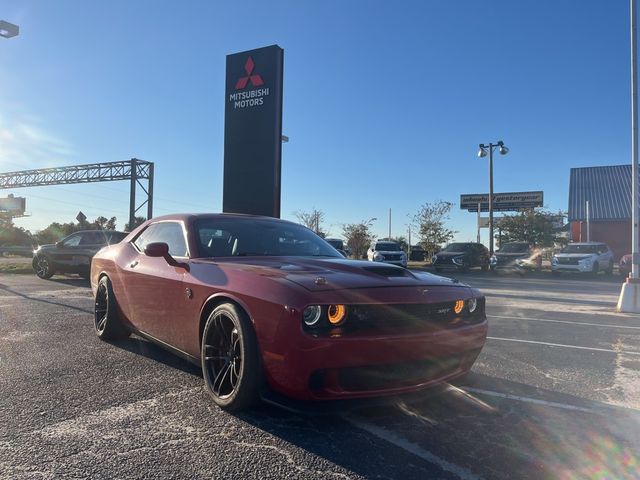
x=265, y=306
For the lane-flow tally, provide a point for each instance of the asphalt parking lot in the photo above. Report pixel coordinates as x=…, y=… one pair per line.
x=554, y=394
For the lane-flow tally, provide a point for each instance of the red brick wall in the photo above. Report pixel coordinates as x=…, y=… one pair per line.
x=616, y=234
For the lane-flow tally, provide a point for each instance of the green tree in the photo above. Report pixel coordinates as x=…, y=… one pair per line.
x=402, y=241
x=359, y=237
x=57, y=231
x=430, y=221
x=102, y=223
x=12, y=236
x=537, y=227
x=312, y=220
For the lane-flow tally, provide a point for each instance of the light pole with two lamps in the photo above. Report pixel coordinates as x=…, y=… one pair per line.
x=482, y=152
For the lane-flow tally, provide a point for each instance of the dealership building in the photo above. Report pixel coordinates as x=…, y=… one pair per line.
x=606, y=192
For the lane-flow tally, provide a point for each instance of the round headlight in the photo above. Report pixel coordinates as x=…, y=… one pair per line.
x=434, y=259
x=336, y=314
x=378, y=257
x=311, y=315
x=472, y=304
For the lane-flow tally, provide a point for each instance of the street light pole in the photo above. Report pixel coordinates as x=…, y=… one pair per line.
x=482, y=152
x=629, y=300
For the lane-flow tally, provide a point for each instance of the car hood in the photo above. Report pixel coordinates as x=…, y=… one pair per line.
x=512, y=255
x=324, y=274
x=450, y=254
x=46, y=247
x=576, y=255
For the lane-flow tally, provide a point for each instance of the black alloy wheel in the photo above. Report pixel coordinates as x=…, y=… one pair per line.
x=595, y=269
x=106, y=318
x=230, y=364
x=43, y=267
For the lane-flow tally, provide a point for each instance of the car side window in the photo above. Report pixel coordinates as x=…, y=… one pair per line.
x=168, y=232
x=92, y=238
x=72, y=241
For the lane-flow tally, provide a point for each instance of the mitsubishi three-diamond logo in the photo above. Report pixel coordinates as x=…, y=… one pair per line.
x=256, y=80
x=249, y=98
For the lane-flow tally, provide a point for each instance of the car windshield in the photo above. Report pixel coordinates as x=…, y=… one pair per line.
x=581, y=248
x=457, y=247
x=514, y=248
x=239, y=237
x=387, y=247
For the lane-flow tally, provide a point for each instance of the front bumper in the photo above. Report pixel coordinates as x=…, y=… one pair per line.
x=371, y=363
x=581, y=268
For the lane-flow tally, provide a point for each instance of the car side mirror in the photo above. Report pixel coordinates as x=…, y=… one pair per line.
x=156, y=249
x=343, y=253
x=161, y=249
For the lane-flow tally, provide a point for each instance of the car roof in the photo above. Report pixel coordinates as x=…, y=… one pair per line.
x=185, y=217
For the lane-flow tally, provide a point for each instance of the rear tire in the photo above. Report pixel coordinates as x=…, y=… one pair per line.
x=595, y=269
x=42, y=266
x=229, y=356
x=609, y=270
x=106, y=318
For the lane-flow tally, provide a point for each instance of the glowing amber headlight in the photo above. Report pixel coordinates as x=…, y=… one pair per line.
x=336, y=314
x=458, y=306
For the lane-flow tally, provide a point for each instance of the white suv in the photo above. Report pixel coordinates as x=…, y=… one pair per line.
x=387, y=252
x=583, y=257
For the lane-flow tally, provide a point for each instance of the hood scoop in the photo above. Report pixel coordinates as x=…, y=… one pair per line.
x=388, y=271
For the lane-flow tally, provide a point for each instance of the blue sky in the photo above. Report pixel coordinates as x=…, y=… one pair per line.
x=385, y=102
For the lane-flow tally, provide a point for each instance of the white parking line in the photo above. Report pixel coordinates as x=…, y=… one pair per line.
x=562, y=345
x=403, y=443
x=563, y=321
x=520, y=398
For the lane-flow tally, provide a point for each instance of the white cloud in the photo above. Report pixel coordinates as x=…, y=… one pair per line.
x=26, y=143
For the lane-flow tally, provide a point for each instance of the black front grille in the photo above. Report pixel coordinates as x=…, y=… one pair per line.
x=377, y=377
x=418, y=316
x=392, y=257
x=568, y=261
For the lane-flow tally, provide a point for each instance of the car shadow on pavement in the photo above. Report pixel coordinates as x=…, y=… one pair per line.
x=42, y=300
x=71, y=281
x=144, y=348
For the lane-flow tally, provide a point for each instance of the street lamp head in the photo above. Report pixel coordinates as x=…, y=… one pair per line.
x=503, y=150
x=482, y=152
x=8, y=30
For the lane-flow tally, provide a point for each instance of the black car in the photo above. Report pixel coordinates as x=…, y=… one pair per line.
x=72, y=254
x=461, y=256
x=339, y=245
x=516, y=256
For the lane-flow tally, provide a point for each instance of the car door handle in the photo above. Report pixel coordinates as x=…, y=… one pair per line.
x=133, y=264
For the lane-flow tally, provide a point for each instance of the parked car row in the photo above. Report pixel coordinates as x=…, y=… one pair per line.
x=73, y=254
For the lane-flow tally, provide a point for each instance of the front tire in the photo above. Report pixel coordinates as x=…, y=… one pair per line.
x=595, y=269
x=42, y=266
x=229, y=355
x=106, y=318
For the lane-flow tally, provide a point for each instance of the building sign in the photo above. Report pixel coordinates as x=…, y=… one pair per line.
x=253, y=132
x=13, y=205
x=502, y=202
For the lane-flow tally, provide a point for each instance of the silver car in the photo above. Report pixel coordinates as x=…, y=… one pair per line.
x=387, y=252
x=592, y=257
